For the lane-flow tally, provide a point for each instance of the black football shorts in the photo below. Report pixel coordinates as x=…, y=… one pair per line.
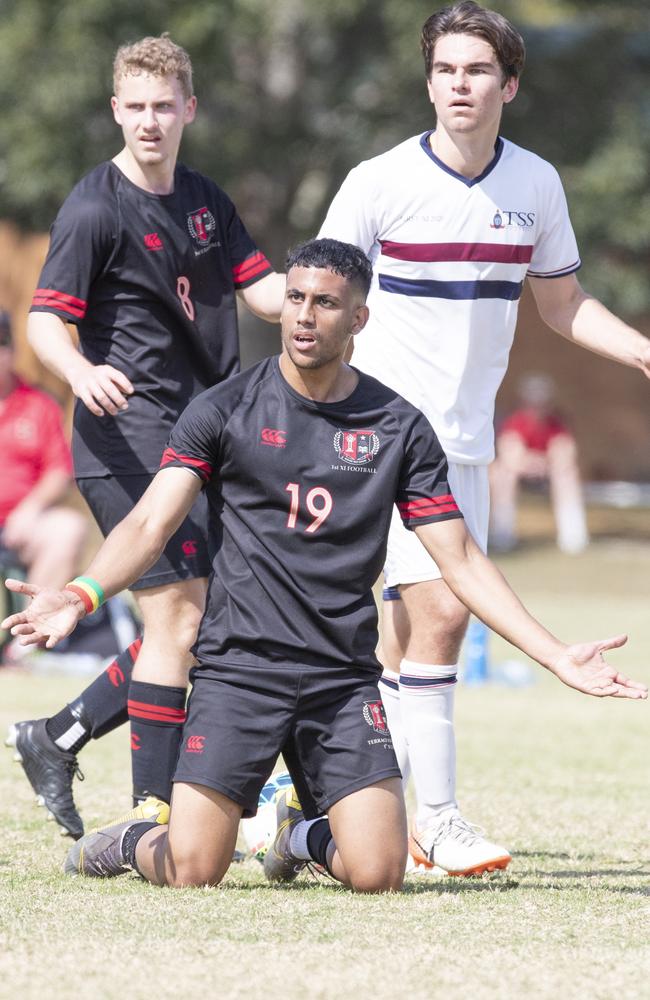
x=186, y=555
x=329, y=721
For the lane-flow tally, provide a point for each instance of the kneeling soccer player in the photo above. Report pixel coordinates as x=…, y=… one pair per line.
x=302, y=458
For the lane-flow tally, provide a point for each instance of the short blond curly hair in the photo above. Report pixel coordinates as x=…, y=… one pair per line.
x=156, y=55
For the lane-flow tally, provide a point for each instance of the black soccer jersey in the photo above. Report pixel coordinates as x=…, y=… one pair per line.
x=301, y=496
x=150, y=282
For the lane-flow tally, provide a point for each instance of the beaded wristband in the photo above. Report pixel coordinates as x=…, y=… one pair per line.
x=88, y=590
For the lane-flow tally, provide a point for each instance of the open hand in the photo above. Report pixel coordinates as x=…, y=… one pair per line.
x=50, y=616
x=582, y=667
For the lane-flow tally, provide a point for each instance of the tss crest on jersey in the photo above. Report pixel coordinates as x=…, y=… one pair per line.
x=356, y=447
x=202, y=227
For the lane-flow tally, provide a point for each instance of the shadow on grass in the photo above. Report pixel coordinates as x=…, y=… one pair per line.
x=412, y=887
x=616, y=890
x=597, y=873
x=534, y=881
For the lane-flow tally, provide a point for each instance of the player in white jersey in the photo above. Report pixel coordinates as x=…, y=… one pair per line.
x=454, y=221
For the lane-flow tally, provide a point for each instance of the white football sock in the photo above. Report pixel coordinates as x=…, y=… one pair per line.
x=390, y=695
x=298, y=842
x=427, y=715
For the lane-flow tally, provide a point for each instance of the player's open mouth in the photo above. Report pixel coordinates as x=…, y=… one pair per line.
x=303, y=340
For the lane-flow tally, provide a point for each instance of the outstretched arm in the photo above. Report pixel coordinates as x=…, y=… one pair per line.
x=567, y=309
x=133, y=545
x=477, y=582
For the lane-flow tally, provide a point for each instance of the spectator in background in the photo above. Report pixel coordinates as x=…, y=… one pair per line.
x=41, y=532
x=533, y=444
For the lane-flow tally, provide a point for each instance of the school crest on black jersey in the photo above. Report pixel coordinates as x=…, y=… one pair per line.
x=202, y=226
x=356, y=447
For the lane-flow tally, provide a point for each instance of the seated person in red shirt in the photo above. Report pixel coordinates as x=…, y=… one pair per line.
x=36, y=472
x=534, y=443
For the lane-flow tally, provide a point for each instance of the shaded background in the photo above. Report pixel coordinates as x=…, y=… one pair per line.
x=294, y=93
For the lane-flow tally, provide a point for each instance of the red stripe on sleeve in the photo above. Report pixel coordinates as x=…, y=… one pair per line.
x=245, y=264
x=169, y=456
x=262, y=268
x=427, y=507
x=49, y=297
x=428, y=512
x=445, y=498
x=256, y=264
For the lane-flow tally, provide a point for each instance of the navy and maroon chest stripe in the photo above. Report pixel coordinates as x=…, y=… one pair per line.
x=427, y=253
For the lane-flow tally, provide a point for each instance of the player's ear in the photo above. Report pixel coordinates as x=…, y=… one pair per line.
x=115, y=106
x=510, y=89
x=360, y=319
x=190, y=110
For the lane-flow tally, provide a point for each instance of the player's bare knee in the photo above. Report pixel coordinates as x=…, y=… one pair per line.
x=444, y=630
x=186, y=624
x=171, y=604
x=384, y=875
x=194, y=870
x=453, y=620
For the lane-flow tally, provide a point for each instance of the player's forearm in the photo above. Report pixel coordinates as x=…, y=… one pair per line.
x=137, y=541
x=130, y=549
x=52, y=343
x=587, y=322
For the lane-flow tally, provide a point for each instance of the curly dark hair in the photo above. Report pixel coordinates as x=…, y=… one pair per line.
x=333, y=255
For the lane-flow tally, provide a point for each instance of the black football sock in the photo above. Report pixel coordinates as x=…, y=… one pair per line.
x=319, y=838
x=131, y=840
x=157, y=714
x=99, y=709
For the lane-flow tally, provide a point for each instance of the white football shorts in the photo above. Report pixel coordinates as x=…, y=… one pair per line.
x=407, y=560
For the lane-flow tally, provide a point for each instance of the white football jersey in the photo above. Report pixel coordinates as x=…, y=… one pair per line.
x=450, y=256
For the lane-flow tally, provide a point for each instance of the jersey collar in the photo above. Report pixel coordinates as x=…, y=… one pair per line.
x=348, y=403
x=498, y=149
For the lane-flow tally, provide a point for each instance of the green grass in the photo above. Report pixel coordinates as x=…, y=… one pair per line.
x=559, y=778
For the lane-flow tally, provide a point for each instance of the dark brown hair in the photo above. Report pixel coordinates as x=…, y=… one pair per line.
x=469, y=18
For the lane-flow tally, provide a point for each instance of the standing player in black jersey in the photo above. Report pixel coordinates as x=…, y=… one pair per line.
x=301, y=459
x=146, y=258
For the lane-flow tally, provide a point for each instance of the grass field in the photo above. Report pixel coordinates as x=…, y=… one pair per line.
x=561, y=779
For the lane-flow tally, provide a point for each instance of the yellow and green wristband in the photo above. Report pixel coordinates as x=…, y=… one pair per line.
x=88, y=590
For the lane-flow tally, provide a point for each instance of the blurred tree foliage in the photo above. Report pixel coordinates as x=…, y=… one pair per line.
x=294, y=92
